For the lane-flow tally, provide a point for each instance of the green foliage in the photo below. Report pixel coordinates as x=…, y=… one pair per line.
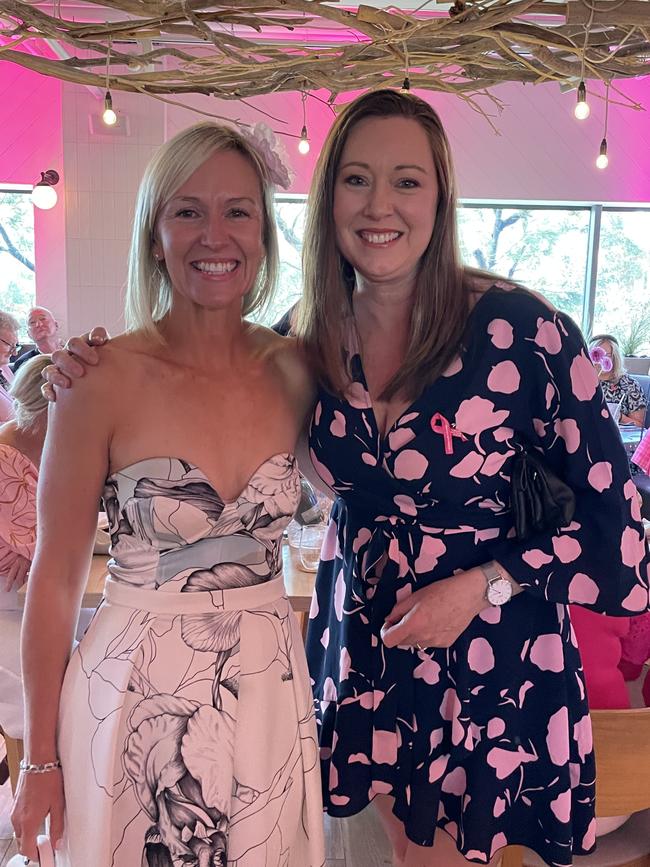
x=290, y=217
x=545, y=249
x=623, y=289
x=17, y=283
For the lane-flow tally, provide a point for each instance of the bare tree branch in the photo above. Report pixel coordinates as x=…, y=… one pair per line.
x=13, y=250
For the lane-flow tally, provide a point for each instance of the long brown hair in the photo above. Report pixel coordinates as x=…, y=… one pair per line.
x=441, y=299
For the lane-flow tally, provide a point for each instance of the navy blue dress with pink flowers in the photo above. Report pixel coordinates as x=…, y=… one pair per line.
x=489, y=739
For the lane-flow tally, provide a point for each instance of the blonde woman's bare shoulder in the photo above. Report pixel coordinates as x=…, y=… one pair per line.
x=285, y=353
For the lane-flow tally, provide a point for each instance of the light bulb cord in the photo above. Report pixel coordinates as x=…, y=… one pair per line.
x=108, y=62
x=303, y=97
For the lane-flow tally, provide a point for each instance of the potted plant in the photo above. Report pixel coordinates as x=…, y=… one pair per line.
x=631, y=341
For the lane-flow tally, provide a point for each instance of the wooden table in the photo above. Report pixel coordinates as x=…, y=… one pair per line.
x=299, y=583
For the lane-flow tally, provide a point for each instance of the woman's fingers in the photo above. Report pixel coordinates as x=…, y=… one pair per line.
x=56, y=822
x=37, y=796
x=400, y=608
x=48, y=392
x=26, y=838
x=98, y=336
x=399, y=633
x=79, y=351
x=52, y=375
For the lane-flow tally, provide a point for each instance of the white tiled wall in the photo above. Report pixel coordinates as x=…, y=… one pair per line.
x=102, y=176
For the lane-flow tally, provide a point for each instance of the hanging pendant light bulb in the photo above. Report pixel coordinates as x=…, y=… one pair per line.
x=602, y=160
x=303, y=144
x=406, y=84
x=109, y=117
x=582, y=110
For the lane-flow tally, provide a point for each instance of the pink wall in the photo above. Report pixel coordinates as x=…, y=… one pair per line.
x=542, y=153
x=31, y=142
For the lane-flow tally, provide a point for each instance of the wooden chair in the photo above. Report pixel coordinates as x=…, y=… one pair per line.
x=14, y=749
x=622, y=745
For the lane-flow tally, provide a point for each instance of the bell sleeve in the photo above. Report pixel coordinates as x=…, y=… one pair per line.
x=600, y=559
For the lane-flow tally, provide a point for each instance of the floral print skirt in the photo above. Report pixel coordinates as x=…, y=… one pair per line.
x=187, y=734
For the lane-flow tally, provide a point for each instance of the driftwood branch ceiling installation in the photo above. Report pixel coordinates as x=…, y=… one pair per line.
x=249, y=47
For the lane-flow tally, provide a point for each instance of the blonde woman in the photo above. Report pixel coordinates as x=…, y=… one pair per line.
x=9, y=328
x=185, y=719
x=619, y=388
x=21, y=443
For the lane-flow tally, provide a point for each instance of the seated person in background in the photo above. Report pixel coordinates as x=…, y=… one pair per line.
x=21, y=443
x=42, y=328
x=8, y=343
x=618, y=386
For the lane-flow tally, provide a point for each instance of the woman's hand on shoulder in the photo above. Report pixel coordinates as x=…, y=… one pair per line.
x=70, y=363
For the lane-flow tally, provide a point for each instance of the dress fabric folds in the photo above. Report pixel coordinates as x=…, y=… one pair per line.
x=187, y=730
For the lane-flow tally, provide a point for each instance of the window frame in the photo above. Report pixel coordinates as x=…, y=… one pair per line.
x=596, y=210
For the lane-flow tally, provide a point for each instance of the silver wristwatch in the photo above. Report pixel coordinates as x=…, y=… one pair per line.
x=498, y=588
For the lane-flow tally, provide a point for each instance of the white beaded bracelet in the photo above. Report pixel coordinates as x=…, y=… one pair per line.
x=28, y=768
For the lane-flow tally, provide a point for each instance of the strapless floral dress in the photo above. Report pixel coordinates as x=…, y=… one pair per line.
x=187, y=731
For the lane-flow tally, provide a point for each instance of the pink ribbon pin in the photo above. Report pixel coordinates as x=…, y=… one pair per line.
x=440, y=425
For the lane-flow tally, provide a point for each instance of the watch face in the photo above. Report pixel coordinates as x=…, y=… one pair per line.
x=499, y=591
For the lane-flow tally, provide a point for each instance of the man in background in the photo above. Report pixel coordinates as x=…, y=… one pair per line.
x=42, y=328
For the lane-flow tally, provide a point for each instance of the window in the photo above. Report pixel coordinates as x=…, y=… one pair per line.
x=622, y=305
x=17, y=287
x=544, y=248
x=290, y=218
x=547, y=247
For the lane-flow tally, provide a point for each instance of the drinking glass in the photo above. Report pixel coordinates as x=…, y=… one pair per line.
x=311, y=542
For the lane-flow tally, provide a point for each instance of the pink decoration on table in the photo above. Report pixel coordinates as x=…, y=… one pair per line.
x=599, y=356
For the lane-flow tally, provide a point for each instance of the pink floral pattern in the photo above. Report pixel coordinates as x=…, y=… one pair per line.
x=489, y=739
x=18, y=479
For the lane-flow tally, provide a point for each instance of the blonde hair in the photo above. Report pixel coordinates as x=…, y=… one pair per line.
x=441, y=300
x=149, y=290
x=25, y=390
x=9, y=321
x=618, y=366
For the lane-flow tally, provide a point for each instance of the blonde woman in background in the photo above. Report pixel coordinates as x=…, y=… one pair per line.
x=9, y=328
x=618, y=386
x=21, y=443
